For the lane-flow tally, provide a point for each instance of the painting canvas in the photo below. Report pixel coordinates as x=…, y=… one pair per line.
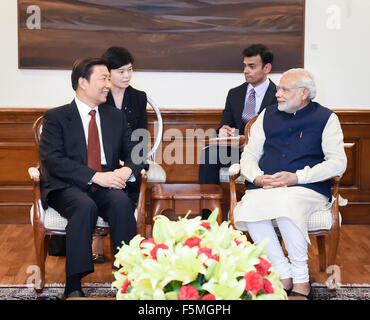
x=163, y=35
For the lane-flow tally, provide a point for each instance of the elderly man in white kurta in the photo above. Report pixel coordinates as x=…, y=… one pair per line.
x=294, y=148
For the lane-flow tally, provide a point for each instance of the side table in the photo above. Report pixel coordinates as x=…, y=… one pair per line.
x=184, y=197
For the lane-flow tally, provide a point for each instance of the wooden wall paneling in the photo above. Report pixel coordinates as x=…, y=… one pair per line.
x=351, y=176
x=17, y=153
x=365, y=165
x=356, y=180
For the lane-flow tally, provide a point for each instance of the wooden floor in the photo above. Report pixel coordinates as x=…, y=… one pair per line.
x=18, y=257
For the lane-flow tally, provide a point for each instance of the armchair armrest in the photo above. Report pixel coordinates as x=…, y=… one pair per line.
x=34, y=174
x=156, y=173
x=234, y=173
x=335, y=206
x=141, y=205
x=38, y=211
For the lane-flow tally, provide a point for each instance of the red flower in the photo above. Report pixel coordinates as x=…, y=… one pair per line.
x=208, y=253
x=208, y=296
x=125, y=286
x=188, y=293
x=153, y=253
x=150, y=240
x=237, y=242
x=267, y=286
x=263, y=267
x=253, y=282
x=206, y=224
x=192, y=242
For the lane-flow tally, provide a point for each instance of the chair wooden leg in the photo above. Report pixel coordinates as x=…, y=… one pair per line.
x=41, y=246
x=322, y=252
x=333, y=246
x=160, y=205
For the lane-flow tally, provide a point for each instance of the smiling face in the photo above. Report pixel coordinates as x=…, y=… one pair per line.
x=254, y=71
x=121, y=77
x=291, y=97
x=94, y=91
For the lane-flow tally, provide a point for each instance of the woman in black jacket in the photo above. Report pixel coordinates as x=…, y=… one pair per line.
x=133, y=103
x=122, y=96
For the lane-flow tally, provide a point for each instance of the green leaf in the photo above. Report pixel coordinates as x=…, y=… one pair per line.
x=198, y=282
x=213, y=217
x=211, y=270
x=174, y=285
x=187, y=214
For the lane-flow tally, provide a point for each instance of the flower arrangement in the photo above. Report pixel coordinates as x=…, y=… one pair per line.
x=194, y=259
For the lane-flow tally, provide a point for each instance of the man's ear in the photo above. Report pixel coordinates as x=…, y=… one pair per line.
x=305, y=93
x=267, y=68
x=82, y=83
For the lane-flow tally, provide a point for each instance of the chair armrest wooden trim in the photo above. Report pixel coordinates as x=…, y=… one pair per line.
x=141, y=216
x=335, y=205
x=38, y=212
x=234, y=173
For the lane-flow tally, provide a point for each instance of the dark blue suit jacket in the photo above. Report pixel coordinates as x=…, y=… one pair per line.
x=232, y=114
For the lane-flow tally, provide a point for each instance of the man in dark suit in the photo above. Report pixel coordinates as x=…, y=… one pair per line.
x=242, y=104
x=80, y=147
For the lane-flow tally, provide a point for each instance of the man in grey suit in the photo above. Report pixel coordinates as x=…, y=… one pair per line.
x=242, y=104
x=81, y=145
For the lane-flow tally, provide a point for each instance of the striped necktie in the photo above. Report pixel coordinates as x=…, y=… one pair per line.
x=250, y=107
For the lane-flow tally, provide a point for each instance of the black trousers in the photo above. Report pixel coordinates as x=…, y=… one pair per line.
x=213, y=158
x=82, y=209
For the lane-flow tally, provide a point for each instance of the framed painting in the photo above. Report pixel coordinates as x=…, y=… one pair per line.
x=162, y=35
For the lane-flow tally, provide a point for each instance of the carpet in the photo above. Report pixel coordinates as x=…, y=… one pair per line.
x=54, y=292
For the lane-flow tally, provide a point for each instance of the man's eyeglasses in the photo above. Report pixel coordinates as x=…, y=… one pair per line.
x=286, y=90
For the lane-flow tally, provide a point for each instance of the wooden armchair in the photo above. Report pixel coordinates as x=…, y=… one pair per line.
x=324, y=225
x=49, y=222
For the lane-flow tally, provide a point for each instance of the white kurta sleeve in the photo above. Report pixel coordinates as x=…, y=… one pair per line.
x=335, y=161
x=253, y=151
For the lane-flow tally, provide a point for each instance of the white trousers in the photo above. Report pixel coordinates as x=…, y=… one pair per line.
x=295, y=243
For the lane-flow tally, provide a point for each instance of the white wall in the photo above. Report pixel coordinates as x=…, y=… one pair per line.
x=336, y=52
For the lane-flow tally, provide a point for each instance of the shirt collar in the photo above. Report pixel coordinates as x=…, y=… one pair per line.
x=83, y=108
x=261, y=88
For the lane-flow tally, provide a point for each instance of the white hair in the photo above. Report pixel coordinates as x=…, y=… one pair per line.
x=306, y=80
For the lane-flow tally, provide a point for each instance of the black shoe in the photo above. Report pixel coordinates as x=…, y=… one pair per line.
x=98, y=258
x=206, y=213
x=73, y=294
x=309, y=296
x=288, y=291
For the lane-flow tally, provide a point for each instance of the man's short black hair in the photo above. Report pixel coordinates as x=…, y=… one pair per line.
x=118, y=57
x=82, y=68
x=259, y=49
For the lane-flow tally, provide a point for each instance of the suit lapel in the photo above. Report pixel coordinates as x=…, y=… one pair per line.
x=269, y=98
x=240, y=104
x=77, y=131
x=107, y=133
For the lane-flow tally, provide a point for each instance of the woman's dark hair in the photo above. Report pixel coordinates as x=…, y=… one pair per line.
x=118, y=57
x=82, y=68
x=259, y=49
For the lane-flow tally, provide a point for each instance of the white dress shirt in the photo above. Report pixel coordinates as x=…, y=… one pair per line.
x=260, y=91
x=84, y=110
